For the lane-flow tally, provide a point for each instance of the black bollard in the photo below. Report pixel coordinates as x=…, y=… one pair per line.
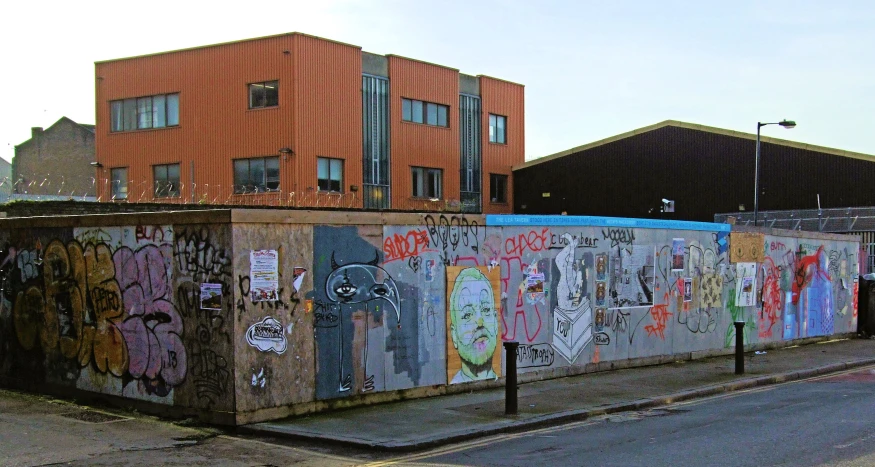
x=510, y=385
x=739, y=348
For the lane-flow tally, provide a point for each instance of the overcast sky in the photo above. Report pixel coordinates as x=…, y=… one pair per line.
x=592, y=69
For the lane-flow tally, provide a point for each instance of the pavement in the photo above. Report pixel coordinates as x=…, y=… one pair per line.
x=430, y=422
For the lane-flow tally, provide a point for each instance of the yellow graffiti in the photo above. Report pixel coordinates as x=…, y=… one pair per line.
x=80, y=308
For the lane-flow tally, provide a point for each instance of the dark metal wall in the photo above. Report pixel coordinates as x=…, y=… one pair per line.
x=703, y=172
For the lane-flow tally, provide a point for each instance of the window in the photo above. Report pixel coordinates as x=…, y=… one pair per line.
x=427, y=182
x=330, y=174
x=166, y=180
x=146, y=112
x=119, y=180
x=498, y=188
x=424, y=112
x=256, y=175
x=497, y=129
x=266, y=94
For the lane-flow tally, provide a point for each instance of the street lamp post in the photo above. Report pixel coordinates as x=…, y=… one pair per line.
x=788, y=124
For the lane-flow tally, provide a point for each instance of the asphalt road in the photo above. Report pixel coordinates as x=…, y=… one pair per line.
x=829, y=421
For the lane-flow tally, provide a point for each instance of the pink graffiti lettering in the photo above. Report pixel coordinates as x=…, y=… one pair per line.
x=153, y=328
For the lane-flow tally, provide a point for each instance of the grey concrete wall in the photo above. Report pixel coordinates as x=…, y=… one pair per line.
x=373, y=64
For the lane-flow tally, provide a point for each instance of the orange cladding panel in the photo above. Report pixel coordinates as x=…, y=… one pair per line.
x=419, y=145
x=506, y=99
x=328, y=110
x=316, y=79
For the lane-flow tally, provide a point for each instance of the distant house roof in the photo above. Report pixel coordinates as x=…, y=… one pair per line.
x=704, y=128
x=84, y=126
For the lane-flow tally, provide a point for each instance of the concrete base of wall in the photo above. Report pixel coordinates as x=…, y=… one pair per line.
x=273, y=413
x=95, y=398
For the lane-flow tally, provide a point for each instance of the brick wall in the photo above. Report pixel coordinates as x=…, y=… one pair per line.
x=56, y=161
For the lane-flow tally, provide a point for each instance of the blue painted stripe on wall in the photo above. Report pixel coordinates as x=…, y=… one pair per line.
x=495, y=220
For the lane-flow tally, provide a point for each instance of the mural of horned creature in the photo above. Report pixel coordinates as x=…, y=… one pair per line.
x=364, y=284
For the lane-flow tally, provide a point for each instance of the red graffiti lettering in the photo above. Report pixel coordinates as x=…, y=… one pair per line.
x=807, y=269
x=399, y=247
x=773, y=299
x=533, y=241
x=856, y=297
x=154, y=234
x=776, y=246
x=660, y=315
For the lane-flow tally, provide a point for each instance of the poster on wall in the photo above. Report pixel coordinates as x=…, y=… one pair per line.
x=712, y=290
x=263, y=275
x=745, y=294
x=677, y=254
x=746, y=247
x=632, y=276
x=211, y=296
x=473, y=323
x=688, y=289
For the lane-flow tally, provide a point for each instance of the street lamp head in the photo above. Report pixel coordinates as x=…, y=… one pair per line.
x=788, y=124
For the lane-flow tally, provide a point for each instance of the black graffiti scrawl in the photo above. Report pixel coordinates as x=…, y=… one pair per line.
x=352, y=295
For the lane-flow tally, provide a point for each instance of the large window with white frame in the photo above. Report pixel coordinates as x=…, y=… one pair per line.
x=497, y=129
x=166, y=177
x=427, y=113
x=264, y=94
x=330, y=174
x=427, y=182
x=256, y=175
x=143, y=113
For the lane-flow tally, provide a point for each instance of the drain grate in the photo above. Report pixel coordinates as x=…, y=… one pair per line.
x=90, y=416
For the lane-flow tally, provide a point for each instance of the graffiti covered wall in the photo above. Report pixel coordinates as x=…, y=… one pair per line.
x=115, y=310
x=277, y=312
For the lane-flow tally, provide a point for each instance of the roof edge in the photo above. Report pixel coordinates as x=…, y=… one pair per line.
x=83, y=126
x=220, y=44
x=421, y=61
x=502, y=80
x=699, y=127
x=594, y=144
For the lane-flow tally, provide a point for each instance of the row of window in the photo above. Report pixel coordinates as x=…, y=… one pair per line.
x=262, y=174
x=143, y=113
x=162, y=110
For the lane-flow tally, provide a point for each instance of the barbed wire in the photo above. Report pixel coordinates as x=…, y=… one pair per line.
x=202, y=194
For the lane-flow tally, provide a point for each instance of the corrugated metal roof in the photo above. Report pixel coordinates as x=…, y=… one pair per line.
x=704, y=128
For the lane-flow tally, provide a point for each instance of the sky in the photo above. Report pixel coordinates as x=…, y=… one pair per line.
x=591, y=69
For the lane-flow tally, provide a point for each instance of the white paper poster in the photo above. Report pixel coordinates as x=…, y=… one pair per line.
x=745, y=293
x=263, y=275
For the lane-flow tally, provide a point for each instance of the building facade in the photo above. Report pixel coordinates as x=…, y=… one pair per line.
x=297, y=120
x=55, y=163
x=698, y=170
x=6, y=180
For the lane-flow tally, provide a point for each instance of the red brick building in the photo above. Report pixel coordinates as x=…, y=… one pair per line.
x=302, y=121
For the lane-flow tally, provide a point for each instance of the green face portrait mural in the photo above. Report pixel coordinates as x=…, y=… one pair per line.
x=473, y=324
